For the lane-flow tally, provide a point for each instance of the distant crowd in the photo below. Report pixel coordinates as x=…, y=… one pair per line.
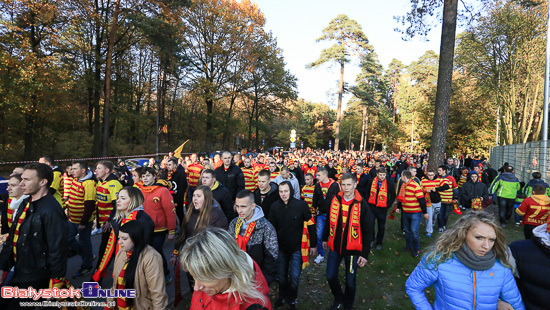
x=241, y=222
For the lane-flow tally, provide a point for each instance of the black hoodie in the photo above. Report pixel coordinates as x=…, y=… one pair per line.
x=271, y=197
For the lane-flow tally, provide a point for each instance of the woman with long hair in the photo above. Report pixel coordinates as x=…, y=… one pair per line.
x=200, y=213
x=138, y=266
x=225, y=276
x=129, y=207
x=468, y=268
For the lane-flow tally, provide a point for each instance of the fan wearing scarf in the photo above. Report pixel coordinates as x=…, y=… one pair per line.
x=348, y=235
x=255, y=235
x=37, y=245
x=380, y=199
x=469, y=268
x=138, y=266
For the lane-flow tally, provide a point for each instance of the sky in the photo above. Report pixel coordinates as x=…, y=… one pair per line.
x=297, y=24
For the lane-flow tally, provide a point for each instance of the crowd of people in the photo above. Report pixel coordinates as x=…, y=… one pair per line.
x=240, y=222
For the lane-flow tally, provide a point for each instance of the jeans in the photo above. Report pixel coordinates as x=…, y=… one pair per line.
x=290, y=264
x=333, y=263
x=157, y=243
x=412, y=224
x=443, y=214
x=321, y=221
x=83, y=246
x=505, y=208
x=379, y=215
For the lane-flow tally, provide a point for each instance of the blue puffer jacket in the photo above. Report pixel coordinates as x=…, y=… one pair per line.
x=459, y=287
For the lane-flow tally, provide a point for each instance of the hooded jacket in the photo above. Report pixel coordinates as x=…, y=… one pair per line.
x=271, y=197
x=288, y=220
x=532, y=260
x=535, y=210
x=262, y=245
x=232, y=178
x=471, y=190
x=223, y=197
x=505, y=185
x=528, y=190
x=293, y=180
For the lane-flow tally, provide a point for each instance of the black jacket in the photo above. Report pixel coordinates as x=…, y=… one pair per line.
x=288, y=220
x=223, y=197
x=331, y=172
x=341, y=234
x=320, y=202
x=299, y=174
x=142, y=217
x=533, y=265
x=42, y=244
x=4, y=210
x=271, y=197
x=178, y=186
x=471, y=190
x=217, y=219
x=390, y=189
x=363, y=184
x=232, y=178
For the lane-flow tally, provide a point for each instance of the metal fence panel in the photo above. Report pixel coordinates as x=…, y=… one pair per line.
x=525, y=158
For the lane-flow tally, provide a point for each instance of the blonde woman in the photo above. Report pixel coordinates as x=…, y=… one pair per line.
x=129, y=207
x=225, y=276
x=468, y=268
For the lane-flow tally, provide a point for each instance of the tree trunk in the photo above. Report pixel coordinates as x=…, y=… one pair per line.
x=96, y=147
x=107, y=105
x=444, y=84
x=209, y=109
x=362, y=146
x=339, y=111
x=30, y=114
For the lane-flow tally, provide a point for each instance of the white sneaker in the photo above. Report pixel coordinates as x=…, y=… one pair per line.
x=319, y=259
x=96, y=231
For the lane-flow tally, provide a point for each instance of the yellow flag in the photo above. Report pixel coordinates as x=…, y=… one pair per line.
x=177, y=152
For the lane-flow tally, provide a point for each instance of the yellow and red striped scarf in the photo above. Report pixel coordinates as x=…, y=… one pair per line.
x=121, y=302
x=101, y=271
x=305, y=243
x=16, y=231
x=242, y=241
x=382, y=194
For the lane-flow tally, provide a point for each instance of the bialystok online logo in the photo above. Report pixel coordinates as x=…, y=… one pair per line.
x=88, y=290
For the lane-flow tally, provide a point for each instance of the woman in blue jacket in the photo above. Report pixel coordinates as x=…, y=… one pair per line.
x=468, y=268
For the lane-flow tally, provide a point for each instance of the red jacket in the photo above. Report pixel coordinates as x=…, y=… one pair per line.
x=225, y=301
x=159, y=205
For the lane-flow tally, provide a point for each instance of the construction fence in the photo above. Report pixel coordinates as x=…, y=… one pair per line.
x=526, y=158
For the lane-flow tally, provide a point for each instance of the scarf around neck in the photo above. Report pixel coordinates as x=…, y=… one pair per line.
x=474, y=262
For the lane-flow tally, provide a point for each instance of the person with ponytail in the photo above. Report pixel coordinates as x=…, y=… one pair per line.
x=138, y=266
